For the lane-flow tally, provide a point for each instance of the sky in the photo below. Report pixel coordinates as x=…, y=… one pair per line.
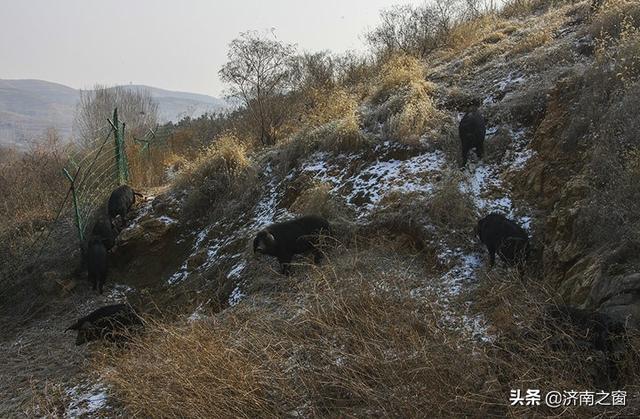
x=175, y=45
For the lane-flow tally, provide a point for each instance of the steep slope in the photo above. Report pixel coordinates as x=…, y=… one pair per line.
x=403, y=317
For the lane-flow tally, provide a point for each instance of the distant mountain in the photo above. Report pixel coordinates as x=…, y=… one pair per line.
x=173, y=106
x=29, y=107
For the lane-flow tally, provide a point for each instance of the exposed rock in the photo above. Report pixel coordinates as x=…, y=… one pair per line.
x=618, y=296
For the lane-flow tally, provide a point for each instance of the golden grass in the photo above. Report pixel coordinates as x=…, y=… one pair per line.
x=319, y=200
x=451, y=208
x=348, y=339
x=222, y=169
x=614, y=16
x=402, y=99
x=398, y=72
x=343, y=344
x=486, y=29
x=328, y=105
x=532, y=41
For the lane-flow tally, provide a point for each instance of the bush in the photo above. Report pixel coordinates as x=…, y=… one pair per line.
x=402, y=100
x=324, y=106
x=531, y=41
x=223, y=169
x=613, y=17
x=318, y=200
x=451, y=208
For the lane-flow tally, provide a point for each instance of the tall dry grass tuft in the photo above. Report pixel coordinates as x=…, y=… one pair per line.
x=319, y=200
x=339, y=135
x=613, y=17
x=450, y=207
x=222, y=170
x=519, y=8
x=486, y=29
x=230, y=368
x=622, y=54
x=532, y=41
x=325, y=105
x=401, y=100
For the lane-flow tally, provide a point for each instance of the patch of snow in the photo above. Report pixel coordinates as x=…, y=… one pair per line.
x=488, y=100
x=476, y=325
x=367, y=188
x=237, y=270
x=509, y=81
x=198, y=313
x=180, y=275
x=86, y=400
x=236, y=296
x=166, y=220
x=462, y=272
x=521, y=158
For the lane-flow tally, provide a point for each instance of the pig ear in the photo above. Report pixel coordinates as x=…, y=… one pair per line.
x=269, y=239
x=84, y=326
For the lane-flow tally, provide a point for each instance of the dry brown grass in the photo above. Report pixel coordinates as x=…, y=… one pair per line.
x=348, y=339
x=535, y=351
x=223, y=169
x=319, y=200
x=451, y=208
x=518, y=8
x=486, y=29
x=614, y=16
x=327, y=105
x=623, y=53
x=532, y=41
x=50, y=401
x=340, y=135
x=401, y=98
x=343, y=343
x=32, y=188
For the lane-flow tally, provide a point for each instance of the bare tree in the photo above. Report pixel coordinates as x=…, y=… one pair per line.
x=416, y=30
x=259, y=73
x=136, y=108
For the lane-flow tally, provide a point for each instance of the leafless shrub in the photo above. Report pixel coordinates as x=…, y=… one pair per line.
x=259, y=72
x=135, y=107
x=222, y=170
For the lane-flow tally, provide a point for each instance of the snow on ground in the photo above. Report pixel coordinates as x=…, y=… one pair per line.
x=198, y=313
x=86, y=400
x=366, y=188
x=236, y=296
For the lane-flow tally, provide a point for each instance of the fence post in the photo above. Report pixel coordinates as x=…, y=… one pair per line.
x=75, y=205
x=122, y=166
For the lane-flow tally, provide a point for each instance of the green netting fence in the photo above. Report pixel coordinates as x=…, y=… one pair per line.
x=94, y=170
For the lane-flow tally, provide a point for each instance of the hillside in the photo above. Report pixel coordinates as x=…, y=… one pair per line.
x=29, y=107
x=404, y=317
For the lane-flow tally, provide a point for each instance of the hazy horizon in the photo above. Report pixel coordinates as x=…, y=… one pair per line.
x=164, y=44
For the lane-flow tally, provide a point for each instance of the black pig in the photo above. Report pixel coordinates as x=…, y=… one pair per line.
x=120, y=202
x=104, y=231
x=288, y=238
x=110, y=323
x=97, y=263
x=472, y=130
x=505, y=237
